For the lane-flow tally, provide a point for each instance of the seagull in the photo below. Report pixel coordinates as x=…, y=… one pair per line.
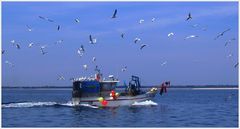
x=50, y=20
x=59, y=41
x=170, y=34
x=85, y=67
x=164, y=63
x=229, y=41
x=61, y=78
x=195, y=25
x=136, y=40
x=71, y=79
x=97, y=69
x=77, y=20
x=221, y=34
x=9, y=63
x=92, y=40
x=124, y=69
x=153, y=19
x=93, y=59
x=30, y=45
x=58, y=27
x=230, y=55
x=122, y=35
x=236, y=65
x=141, y=21
x=45, y=18
x=43, y=47
x=191, y=36
x=114, y=14
x=42, y=17
x=18, y=46
x=81, y=50
x=189, y=17
x=142, y=46
x=42, y=51
x=29, y=28
x=13, y=42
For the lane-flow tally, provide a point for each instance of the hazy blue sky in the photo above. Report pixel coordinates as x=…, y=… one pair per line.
x=201, y=60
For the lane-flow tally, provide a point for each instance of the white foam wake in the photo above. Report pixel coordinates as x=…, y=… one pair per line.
x=41, y=104
x=28, y=104
x=145, y=103
x=70, y=104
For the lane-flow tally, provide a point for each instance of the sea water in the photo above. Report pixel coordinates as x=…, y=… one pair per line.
x=177, y=108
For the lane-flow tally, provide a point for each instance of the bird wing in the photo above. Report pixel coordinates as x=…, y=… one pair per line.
x=42, y=17
x=236, y=65
x=90, y=38
x=50, y=20
x=114, y=14
x=143, y=46
x=218, y=36
x=225, y=31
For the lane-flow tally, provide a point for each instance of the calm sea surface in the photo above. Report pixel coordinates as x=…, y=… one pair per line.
x=177, y=108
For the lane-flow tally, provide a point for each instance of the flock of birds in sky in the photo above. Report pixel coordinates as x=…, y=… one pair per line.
x=93, y=40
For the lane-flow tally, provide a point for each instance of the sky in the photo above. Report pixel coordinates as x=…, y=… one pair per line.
x=196, y=61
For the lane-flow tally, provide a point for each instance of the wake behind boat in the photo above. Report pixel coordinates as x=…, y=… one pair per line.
x=100, y=92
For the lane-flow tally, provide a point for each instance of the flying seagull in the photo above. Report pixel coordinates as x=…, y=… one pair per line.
x=42, y=50
x=59, y=41
x=124, y=69
x=153, y=19
x=136, y=40
x=229, y=41
x=45, y=18
x=60, y=77
x=58, y=27
x=229, y=56
x=164, y=63
x=29, y=28
x=122, y=35
x=30, y=45
x=221, y=34
x=114, y=14
x=93, y=59
x=141, y=21
x=142, y=46
x=191, y=36
x=42, y=17
x=18, y=46
x=85, y=67
x=92, y=40
x=77, y=20
x=236, y=65
x=13, y=42
x=81, y=50
x=189, y=17
x=97, y=69
x=195, y=25
x=170, y=34
x=9, y=63
x=50, y=20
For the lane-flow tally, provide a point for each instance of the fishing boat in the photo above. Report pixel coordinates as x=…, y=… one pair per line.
x=96, y=91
